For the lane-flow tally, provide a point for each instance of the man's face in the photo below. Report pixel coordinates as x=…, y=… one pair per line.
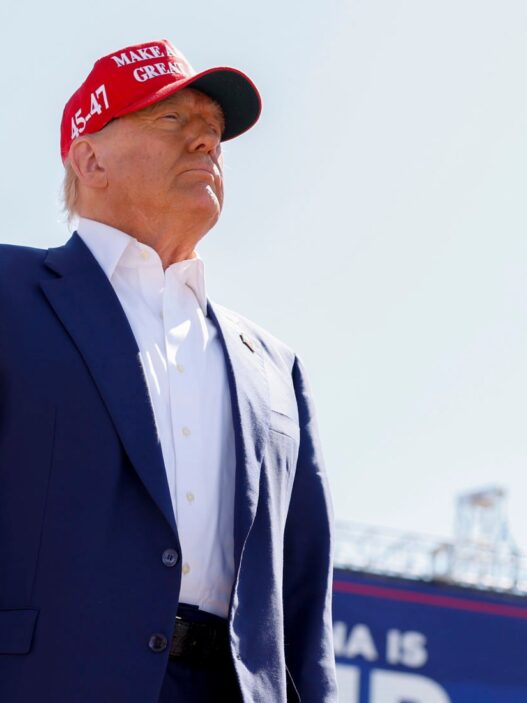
x=164, y=162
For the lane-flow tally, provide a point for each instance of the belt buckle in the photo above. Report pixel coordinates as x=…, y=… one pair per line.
x=192, y=641
x=180, y=637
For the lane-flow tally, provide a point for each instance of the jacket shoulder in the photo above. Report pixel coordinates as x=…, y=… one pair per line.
x=17, y=256
x=21, y=267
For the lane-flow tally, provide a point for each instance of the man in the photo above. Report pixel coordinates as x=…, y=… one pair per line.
x=165, y=521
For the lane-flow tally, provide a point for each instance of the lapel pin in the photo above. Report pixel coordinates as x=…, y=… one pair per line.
x=247, y=342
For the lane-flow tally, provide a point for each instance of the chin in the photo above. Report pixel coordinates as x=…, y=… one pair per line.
x=208, y=204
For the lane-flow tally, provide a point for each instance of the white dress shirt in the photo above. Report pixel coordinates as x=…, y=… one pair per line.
x=185, y=372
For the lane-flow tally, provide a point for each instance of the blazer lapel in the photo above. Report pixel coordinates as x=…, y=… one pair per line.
x=250, y=409
x=84, y=300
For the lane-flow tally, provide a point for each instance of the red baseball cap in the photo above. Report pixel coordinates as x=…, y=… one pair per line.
x=136, y=76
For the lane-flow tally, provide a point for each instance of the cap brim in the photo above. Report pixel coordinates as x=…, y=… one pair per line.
x=236, y=94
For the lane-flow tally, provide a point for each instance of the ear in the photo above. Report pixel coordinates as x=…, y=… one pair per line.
x=85, y=160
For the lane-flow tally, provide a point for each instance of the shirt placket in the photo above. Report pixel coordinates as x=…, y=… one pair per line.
x=184, y=347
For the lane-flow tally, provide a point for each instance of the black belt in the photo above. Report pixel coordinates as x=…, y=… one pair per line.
x=199, y=636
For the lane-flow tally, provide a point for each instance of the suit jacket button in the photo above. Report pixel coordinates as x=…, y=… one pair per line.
x=170, y=557
x=158, y=642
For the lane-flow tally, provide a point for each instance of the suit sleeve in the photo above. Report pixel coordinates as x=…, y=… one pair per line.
x=308, y=569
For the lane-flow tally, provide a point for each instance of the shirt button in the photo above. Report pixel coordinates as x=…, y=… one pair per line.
x=170, y=557
x=190, y=497
x=186, y=568
x=157, y=642
x=144, y=254
x=180, y=368
x=185, y=431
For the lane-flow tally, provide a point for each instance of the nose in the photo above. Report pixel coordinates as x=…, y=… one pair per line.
x=204, y=137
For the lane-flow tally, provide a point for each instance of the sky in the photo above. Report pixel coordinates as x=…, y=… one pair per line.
x=374, y=219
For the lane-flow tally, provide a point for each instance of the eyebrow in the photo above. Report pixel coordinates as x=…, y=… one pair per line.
x=166, y=105
x=220, y=115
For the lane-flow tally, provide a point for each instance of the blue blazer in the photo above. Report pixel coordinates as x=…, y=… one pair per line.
x=85, y=510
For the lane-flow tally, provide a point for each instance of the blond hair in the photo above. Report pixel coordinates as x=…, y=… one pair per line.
x=70, y=191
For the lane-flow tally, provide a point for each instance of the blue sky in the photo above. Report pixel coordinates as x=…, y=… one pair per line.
x=375, y=217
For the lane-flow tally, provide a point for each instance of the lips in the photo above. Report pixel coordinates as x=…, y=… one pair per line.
x=199, y=168
x=202, y=166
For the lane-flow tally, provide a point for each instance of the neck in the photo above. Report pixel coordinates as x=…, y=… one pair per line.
x=172, y=241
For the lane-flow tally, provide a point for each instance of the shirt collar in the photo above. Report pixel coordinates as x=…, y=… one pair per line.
x=113, y=248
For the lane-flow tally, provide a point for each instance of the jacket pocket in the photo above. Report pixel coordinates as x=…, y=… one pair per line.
x=16, y=630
